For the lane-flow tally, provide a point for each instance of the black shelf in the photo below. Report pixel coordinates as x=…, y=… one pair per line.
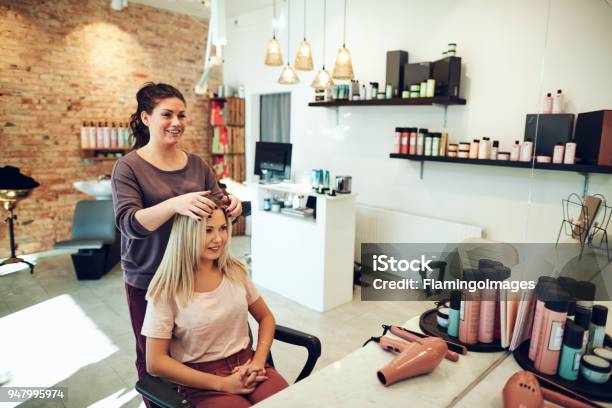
x=436, y=100
x=579, y=168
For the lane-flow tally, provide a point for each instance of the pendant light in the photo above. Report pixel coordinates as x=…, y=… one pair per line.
x=303, y=58
x=274, y=55
x=343, y=69
x=288, y=75
x=323, y=80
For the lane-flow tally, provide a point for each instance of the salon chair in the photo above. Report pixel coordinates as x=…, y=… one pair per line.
x=162, y=393
x=95, y=237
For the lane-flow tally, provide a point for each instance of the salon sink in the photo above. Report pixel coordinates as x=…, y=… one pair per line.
x=101, y=189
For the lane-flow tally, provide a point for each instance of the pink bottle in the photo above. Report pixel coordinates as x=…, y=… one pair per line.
x=469, y=317
x=397, y=147
x=515, y=153
x=547, y=106
x=551, y=335
x=488, y=301
x=558, y=153
x=542, y=293
x=413, y=141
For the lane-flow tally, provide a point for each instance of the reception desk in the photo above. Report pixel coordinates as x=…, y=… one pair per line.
x=307, y=260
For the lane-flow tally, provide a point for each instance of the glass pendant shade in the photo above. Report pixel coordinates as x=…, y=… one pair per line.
x=288, y=76
x=323, y=80
x=303, y=59
x=343, y=68
x=274, y=55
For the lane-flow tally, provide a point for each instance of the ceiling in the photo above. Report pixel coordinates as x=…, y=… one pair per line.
x=197, y=9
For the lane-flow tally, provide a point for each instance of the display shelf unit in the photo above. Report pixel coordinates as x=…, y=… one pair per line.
x=436, y=100
x=226, y=124
x=93, y=153
x=582, y=169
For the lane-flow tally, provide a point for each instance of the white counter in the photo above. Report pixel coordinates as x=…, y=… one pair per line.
x=352, y=382
x=309, y=261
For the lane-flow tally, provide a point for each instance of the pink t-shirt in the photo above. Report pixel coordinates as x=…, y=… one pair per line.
x=212, y=326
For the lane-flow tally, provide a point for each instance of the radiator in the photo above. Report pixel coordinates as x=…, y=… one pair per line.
x=379, y=225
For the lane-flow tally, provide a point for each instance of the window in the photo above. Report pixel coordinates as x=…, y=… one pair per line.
x=275, y=118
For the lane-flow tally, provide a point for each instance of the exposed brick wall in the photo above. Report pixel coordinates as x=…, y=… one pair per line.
x=66, y=61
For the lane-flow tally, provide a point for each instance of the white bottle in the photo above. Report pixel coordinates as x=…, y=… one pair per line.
x=120, y=136
x=114, y=142
x=558, y=102
x=527, y=151
x=484, y=149
x=558, y=153
x=84, y=136
x=515, y=153
x=547, y=106
x=106, y=133
x=92, y=135
x=100, y=136
x=570, y=153
x=474, y=149
x=494, y=150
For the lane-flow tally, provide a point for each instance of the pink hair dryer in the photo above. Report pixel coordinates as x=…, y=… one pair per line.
x=523, y=391
x=416, y=358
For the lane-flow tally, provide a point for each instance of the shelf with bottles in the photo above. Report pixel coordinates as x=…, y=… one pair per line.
x=102, y=137
x=435, y=100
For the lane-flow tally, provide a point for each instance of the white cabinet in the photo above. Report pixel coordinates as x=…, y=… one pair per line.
x=307, y=260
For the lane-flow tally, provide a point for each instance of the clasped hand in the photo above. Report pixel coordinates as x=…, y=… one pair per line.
x=244, y=378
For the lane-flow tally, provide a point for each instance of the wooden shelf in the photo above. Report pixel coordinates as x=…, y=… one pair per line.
x=107, y=149
x=436, y=100
x=579, y=168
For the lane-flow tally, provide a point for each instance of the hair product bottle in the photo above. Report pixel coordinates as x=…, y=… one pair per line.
x=527, y=150
x=470, y=312
x=547, y=105
x=570, y=153
x=488, y=299
x=571, y=352
x=454, y=313
x=474, y=149
x=413, y=141
x=597, y=329
x=494, y=150
x=582, y=318
x=515, y=153
x=558, y=153
x=542, y=293
x=551, y=335
x=558, y=102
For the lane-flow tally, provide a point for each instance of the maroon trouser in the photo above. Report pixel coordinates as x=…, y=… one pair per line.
x=206, y=398
x=137, y=305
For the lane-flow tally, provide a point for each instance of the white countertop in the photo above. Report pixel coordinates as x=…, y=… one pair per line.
x=301, y=189
x=352, y=382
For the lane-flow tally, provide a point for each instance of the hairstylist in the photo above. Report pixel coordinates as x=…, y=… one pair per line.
x=150, y=185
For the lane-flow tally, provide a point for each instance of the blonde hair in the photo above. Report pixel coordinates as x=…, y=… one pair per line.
x=174, y=280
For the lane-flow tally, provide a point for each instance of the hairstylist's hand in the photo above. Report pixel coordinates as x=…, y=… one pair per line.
x=233, y=384
x=194, y=205
x=234, y=206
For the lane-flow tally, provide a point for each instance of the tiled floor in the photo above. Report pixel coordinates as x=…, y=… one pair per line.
x=56, y=330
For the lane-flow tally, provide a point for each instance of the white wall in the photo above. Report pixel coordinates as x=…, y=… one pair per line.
x=509, y=62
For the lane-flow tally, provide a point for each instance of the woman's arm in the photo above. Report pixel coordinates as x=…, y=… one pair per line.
x=160, y=364
x=194, y=205
x=267, y=325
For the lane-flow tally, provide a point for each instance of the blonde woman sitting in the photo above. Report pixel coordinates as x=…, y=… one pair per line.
x=196, y=319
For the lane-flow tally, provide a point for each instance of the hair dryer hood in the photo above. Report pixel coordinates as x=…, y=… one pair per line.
x=419, y=357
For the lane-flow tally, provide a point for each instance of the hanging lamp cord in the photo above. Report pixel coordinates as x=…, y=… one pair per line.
x=344, y=35
x=288, y=30
x=304, y=20
x=274, y=19
x=324, y=28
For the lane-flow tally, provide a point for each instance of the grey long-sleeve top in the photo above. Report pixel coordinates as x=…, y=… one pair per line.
x=137, y=184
